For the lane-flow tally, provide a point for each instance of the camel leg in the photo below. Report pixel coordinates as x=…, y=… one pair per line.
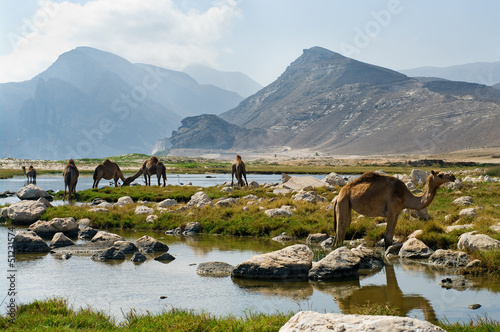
x=245, y=176
x=389, y=230
x=343, y=215
x=96, y=183
x=232, y=179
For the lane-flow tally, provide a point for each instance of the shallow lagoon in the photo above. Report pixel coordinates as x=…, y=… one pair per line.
x=119, y=287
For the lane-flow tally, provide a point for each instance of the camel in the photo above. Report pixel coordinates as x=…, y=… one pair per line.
x=107, y=170
x=30, y=174
x=70, y=174
x=377, y=195
x=150, y=167
x=238, y=169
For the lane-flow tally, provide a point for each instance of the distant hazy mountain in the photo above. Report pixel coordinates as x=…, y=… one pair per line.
x=91, y=103
x=487, y=73
x=231, y=81
x=330, y=103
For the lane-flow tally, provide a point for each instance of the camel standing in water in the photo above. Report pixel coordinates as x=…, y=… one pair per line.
x=238, y=169
x=377, y=195
x=30, y=173
x=150, y=167
x=70, y=174
x=107, y=170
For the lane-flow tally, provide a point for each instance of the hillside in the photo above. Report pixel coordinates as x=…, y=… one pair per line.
x=91, y=103
x=333, y=104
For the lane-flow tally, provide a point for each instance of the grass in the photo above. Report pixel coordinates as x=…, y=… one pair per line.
x=56, y=315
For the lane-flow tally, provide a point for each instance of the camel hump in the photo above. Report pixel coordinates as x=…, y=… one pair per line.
x=238, y=157
x=154, y=159
x=71, y=162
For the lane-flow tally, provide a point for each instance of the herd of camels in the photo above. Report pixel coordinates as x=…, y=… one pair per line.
x=372, y=194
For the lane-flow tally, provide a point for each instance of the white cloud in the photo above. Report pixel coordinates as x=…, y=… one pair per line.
x=149, y=31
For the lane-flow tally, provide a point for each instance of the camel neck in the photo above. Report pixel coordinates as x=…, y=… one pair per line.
x=422, y=201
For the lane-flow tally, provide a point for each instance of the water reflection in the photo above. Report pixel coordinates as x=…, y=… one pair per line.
x=353, y=299
x=296, y=291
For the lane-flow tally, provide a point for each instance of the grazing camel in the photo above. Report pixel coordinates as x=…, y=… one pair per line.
x=70, y=174
x=238, y=169
x=377, y=195
x=30, y=174
x=150, y=167
x=107, y=170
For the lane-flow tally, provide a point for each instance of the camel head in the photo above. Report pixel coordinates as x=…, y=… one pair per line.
x=71, y=162
x=437, y=178
x=127, y=182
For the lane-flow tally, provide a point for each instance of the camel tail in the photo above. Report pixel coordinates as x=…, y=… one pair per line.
x=335, y=214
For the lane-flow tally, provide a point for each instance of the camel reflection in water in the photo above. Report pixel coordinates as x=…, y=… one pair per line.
x=386, y=294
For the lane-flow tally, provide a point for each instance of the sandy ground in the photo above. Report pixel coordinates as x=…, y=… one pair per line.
x=284, y=155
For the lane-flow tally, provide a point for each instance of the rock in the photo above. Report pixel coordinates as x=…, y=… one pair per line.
x=474, y=241
x=473, y=264
x=127, y=247
x=282, y=191
x=60, y=240
x=495, y=228
x=87, y=233
x=328, y=242
x=452, y=228
x=110, y=253
x=415, y=249
x=199, y=200
x=416, y=234
x=97, y=201
x=250, y=197
x=314, y=321
x=47, y=229
x=25, y=212
x=455, y=185
x=253, y=185
x=148, y=244
x=226, y=202
x=393, y=250
x=340, y=264
x=227, y=190
x=151, y=218
x=104, y=205
x=167, y=203
x=469, y=212
x=33, y=192
x=449, y=258
x=290, y=263
x=29, y=242
x=421, y=214
x=106, y=238
x=308, y=196
x=283, y=237
x=138, y=258
x=419, y=177
x=166, y=257
x=316, y=238
x=369, y=259
x=192, y=228
x=141, y=209
x=459, y=283
x=285, y=177
x=334, y=179
x=278, y=212
x=215, y=269
x=474, y=306
x=124, y=201
x=464, y=200
x=83, y=223
x=45, y=201
x=300, y=182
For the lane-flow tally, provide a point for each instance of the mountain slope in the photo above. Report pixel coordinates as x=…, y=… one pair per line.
x=487, y=73
x=334, y=104
x=231, y=81
x=91, y=103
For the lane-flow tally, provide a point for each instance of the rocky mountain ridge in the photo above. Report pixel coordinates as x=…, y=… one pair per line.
x=338, y=105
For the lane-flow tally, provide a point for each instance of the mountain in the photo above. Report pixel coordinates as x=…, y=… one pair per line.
x=487, y=73
x=91, y=103
x=333, y=104
x=231, y=81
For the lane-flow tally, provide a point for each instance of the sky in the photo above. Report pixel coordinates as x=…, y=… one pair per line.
x=257, y=37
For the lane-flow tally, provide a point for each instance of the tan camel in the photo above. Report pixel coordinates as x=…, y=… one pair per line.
x=377, y=195
x=70, y=174
x=107, y=170
x=238, y=169
x=30, y=174
x=150, y=167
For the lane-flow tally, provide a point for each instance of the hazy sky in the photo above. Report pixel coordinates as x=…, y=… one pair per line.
x=257, y=37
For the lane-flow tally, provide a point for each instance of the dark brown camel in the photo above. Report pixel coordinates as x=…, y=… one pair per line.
x=70, y=174
x=238, y=169
x=150, y=167
x=377, y=195
x=107, y=170
x=30, y=173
